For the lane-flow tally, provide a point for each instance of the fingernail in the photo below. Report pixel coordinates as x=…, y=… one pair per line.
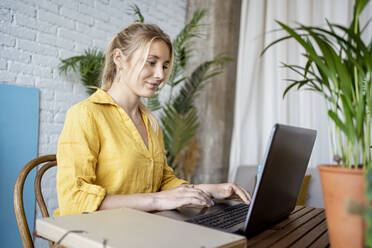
x=212, y=203
x=204, y=203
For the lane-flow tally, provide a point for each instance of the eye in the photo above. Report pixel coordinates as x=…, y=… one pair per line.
x=165, y=67
x=150, y=62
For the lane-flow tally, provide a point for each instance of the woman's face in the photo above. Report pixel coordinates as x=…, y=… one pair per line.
x=153, y=72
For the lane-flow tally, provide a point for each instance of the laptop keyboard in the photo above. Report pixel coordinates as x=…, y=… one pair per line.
x=223, y=219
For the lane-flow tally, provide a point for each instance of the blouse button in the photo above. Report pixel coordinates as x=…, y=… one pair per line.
x=80, y=184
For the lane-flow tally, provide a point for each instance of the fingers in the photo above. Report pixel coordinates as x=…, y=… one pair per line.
x=184, y=195
x=192, y=188
x=187, y=195
x=241, y=192
x=246, y=193
x=195, y=194
x=231, y=189
x=192, y=201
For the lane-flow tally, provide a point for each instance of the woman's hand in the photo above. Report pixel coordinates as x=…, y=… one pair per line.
x=184, y=195
x=225, y=190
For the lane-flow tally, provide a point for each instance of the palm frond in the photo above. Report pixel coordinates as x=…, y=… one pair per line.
x=192, y=86
x=179, y=118
x=89, y=64
x=135, y=11
x=69, y=63
x=182, y=45
x=153, y=103
x=177, y=130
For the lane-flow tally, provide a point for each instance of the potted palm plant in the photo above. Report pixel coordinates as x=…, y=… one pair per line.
x=178, y=115
x=339, y=67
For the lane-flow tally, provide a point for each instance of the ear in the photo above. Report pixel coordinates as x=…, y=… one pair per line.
x=118, y=57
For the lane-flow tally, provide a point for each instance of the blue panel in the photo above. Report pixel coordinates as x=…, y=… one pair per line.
x=19, y=132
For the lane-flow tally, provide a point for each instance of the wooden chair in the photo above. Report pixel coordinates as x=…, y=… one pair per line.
x=46, y=162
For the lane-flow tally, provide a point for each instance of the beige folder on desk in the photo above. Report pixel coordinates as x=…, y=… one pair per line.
x=132, y=228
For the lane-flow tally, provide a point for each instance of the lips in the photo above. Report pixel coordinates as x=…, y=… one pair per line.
x=153, y=85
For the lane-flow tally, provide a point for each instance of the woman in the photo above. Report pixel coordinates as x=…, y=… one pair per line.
x=110, y=152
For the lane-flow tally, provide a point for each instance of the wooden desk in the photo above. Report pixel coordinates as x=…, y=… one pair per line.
x=305, y=227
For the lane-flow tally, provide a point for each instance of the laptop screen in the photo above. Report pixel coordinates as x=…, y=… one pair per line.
x=284, y=168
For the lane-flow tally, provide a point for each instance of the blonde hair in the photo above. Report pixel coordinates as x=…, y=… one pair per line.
x=130, y=39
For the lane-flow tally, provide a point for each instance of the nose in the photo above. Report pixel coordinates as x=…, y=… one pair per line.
x=159, y=73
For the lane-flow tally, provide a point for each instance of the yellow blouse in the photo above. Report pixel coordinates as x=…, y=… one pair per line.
x=101, y=152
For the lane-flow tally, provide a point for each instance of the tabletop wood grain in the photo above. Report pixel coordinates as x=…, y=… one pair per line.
x=305, y=227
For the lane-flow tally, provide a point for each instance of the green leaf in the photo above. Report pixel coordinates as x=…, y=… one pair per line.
x=291, y=86
x=309, y=49
x=358, y=8
x=178, y=129
x=193, y=84
x=275, y=42
x=135, y=11
x=337, y=120
x=89, y=64
x=360, y=115
x=182, y=45
x=310, y=82
x=153, y=102
x=347, y=111
x=179, y=81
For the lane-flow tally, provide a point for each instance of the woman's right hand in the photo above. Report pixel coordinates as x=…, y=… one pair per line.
x=181, y=196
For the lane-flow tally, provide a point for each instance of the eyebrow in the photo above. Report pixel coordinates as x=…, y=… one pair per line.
x=157, y=57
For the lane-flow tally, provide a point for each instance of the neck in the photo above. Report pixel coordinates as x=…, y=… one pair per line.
x=123, y=97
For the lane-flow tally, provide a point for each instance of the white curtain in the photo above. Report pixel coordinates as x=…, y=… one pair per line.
x=260, y=80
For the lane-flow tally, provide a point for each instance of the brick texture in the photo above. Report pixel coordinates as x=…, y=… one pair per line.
x=36, y=34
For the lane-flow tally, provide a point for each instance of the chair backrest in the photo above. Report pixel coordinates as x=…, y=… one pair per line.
x=45, y=163
x=246, y=177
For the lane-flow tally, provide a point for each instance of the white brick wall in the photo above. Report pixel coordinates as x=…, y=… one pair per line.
x=36, y=34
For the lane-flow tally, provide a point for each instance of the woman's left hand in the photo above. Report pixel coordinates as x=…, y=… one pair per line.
x=226, y=190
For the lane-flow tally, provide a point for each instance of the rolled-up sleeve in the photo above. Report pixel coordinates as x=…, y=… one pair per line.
x=77, y=153
x=169, y=180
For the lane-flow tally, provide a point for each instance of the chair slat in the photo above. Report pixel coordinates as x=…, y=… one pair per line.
x=37, y=184
x=18, y=197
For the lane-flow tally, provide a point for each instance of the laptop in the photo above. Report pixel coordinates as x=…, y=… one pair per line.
x=275, y=195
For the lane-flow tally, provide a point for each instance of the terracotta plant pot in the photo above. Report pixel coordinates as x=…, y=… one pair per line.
x=339, y=185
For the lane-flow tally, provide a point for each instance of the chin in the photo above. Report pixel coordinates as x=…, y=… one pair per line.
x=148, y=94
